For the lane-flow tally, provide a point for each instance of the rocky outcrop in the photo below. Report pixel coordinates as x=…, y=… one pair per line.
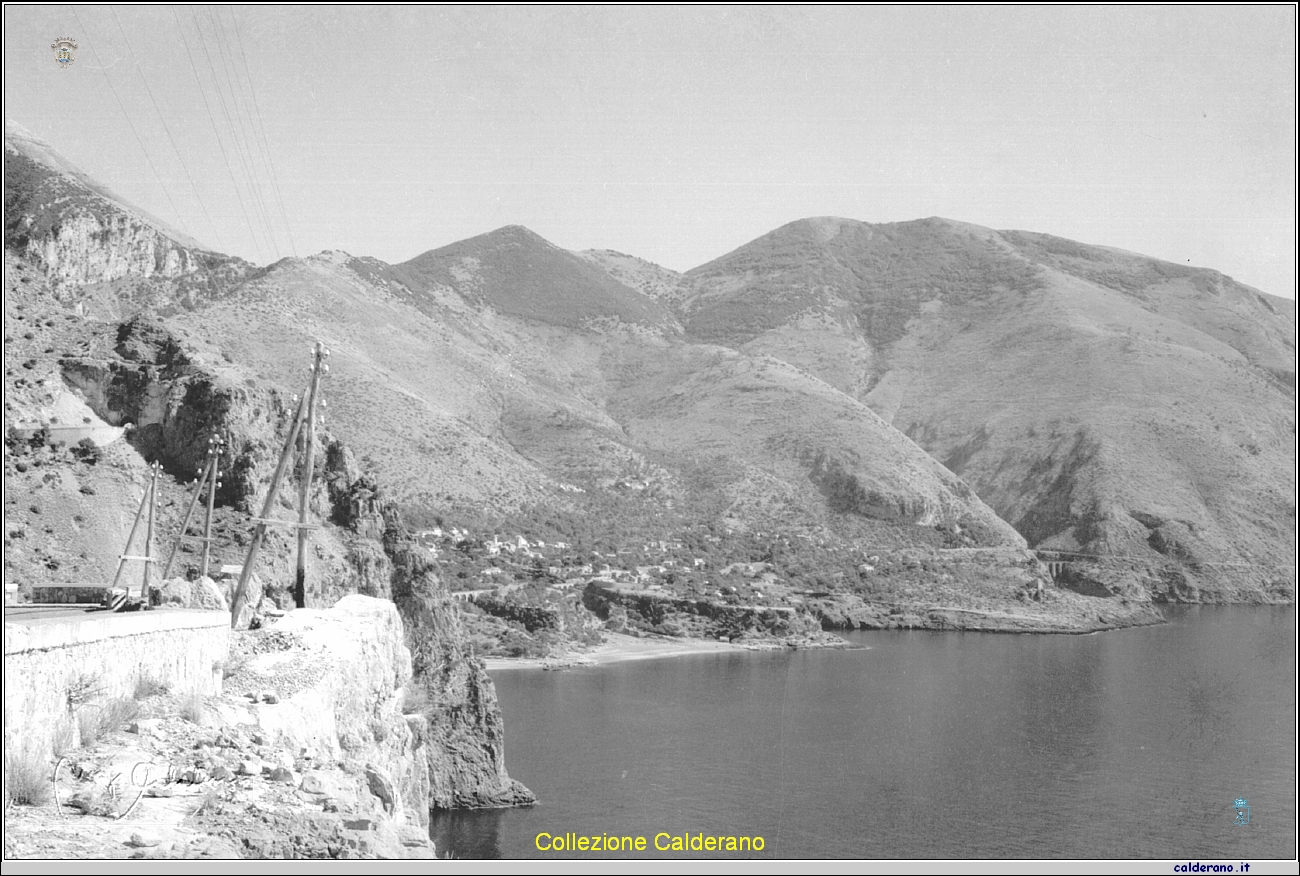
x=175, y=405
x=640, y=611
x=976, y=589
x=81, y=235
x=339, y=688
x=88, y=249
x=202, y=594
x=466, y=733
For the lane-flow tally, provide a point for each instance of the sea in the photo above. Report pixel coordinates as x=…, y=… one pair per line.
x=1173, y=741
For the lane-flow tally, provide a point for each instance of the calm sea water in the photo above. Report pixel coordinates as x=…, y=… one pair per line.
x=927, y=745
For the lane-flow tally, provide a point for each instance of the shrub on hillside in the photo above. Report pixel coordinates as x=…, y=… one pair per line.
x=88, y=451
x=147, y=686
x=193, y=708
x=27, y=776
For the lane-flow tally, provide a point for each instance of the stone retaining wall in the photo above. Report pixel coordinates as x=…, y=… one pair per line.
x=56, y=666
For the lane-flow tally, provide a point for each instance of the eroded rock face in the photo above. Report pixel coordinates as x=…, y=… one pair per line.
x=86, y=249
x=466, y=751
x=175, y=405
x=351, y=667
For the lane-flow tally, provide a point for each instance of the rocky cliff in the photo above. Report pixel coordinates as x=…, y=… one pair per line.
x=88, y=240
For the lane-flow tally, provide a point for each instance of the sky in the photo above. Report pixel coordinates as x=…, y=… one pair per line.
x=677, y=134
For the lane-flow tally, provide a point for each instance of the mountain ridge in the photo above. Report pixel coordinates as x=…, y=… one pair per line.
x=505, y=377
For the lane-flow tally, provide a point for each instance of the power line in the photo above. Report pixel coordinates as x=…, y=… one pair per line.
x=255, y=184
x=275, y=182
x=221, y=100
x=131, y=124
x=166, y=128
x=212, y=120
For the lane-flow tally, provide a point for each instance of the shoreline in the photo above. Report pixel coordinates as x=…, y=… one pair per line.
x=622, y=648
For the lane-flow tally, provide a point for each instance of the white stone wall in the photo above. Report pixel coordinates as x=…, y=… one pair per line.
x=104, y=654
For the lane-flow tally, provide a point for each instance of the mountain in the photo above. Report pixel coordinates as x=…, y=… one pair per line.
x=883, y=417
x=1100, y=401
x=519, y=274
x=94, y=246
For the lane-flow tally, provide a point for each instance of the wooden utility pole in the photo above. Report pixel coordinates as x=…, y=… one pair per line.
x=259, y=531
x=208, y=472
x=218, y=445
x=318, y=367
x=148, y=533
x=135, y=524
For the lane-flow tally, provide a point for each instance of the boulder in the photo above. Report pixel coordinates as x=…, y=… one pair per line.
x=253, y=598
x=203, y=595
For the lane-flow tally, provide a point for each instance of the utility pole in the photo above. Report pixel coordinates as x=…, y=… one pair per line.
x=259, y=531
x=149, y=502
x=213, y=484
x=135, y=524
x=148, y=533
x=208, y=476
x=318, y=367
x=307, y=403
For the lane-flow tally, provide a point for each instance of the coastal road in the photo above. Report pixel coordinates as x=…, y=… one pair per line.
x=28, y=612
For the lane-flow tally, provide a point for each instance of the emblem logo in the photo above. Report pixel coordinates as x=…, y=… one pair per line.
x=65, y=51
x=1243, y=811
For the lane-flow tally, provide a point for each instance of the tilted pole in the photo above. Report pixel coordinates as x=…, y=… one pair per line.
x=148, y=533
x=212, y=501
x=318, y=367
x=189, y=512
x=135, y=524
x=259, y=532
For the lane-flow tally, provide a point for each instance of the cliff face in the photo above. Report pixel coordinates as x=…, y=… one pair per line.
x=139, y=373
x=467, y=750
x=94, y=248
x=355, y=708
x=86, y=249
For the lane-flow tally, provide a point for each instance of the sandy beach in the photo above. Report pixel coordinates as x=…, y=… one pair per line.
x=618, y=648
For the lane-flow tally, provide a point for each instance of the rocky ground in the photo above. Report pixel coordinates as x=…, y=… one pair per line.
x=281, y=765
x=196, y=781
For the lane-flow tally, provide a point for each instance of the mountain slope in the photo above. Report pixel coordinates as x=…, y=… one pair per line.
x=94, y=246
x=1102, y=402
x=520, y=274
x=833, y=385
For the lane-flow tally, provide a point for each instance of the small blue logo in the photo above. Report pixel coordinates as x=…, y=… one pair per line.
x=1243, y=811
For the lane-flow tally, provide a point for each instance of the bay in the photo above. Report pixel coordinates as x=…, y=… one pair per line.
x=1129, y=744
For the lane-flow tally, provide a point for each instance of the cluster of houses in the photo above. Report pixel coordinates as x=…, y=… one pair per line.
x=506, y=562
x=566, y=563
